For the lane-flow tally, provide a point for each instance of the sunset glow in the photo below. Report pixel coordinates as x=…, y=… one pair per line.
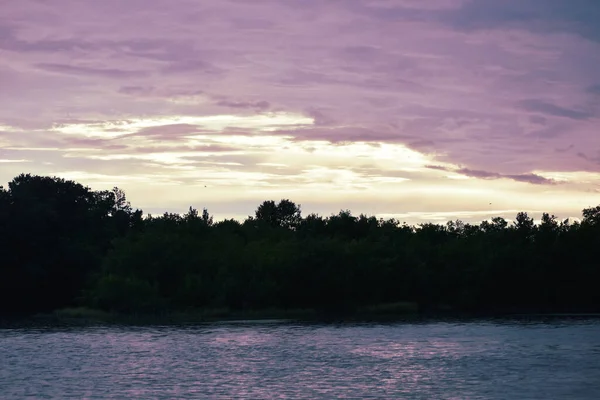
x=419, y=110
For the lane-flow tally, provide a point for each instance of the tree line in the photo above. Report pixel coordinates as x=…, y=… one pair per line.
x=64, y=245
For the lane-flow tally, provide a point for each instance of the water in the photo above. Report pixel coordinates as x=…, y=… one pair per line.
x=434, y=360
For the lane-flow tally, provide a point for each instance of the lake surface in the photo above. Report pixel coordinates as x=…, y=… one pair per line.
x=509, y=359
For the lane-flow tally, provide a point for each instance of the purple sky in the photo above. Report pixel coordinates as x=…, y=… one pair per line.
x=417, y=109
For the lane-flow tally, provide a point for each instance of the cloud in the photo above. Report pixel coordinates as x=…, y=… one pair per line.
x=180, y=125
x=525, y=178
x=136, y=90
x=256, y=105
x=335, y=103
x=578, y=17
x=91, y=71
x=594, y=89
x=11, y=42
x=536, y=105
x=479, y=174
x=531, y=178
x=438, y=167
x=190, y=65
x=167, y=132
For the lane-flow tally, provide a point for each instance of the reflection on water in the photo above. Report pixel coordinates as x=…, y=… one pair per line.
x=490, y=360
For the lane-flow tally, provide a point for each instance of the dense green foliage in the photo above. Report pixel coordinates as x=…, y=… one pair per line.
x=64, y=244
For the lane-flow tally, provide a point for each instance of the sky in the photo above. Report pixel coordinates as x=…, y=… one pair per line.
x=421, y=110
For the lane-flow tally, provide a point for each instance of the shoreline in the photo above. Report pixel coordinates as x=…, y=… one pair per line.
x=405, y=312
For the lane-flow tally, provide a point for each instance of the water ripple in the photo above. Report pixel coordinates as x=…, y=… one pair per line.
x=490, y=360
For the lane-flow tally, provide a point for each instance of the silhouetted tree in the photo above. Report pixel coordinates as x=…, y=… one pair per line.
x=285, y=214
x=64, y=244
x=591, y=216
x=206, y=217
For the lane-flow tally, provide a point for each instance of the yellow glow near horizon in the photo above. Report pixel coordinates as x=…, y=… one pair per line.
x=379, y=152
x=334, y=189
x=215, y=165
